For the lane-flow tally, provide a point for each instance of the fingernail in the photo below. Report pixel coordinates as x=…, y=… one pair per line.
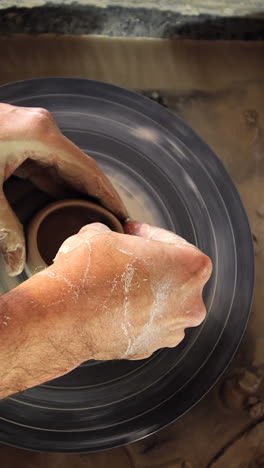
x=132, y=227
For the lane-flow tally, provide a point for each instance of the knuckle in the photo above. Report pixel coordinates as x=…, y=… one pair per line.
x=203, y=267
x=198, y=314
x=139, y=357
x=98, y=225
x=42, y=112
x=201, y=314
x=96, y=228
x=41, y=120
x=175, y=340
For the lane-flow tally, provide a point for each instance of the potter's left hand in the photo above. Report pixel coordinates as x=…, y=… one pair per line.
x=32, y=146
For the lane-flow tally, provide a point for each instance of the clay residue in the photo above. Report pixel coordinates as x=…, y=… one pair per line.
x=146, y=133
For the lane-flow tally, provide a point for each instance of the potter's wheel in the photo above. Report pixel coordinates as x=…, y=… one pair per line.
x=167, y=176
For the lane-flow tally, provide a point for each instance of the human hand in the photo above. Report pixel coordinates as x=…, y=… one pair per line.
x=107, y=296
x=124, y=297
x=32, y=146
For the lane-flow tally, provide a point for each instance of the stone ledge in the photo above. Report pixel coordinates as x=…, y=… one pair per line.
x=86, y=17
x=191, y=7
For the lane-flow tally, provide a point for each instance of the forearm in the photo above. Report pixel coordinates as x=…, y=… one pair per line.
x=35, y=343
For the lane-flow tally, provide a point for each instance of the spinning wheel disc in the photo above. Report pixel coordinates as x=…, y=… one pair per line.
x=169, y=177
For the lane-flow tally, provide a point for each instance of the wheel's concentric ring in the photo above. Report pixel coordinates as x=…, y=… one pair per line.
x=167, y=176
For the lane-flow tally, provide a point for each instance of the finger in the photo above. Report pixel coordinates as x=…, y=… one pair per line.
x=96, y=183
x=155, y=233
x=175, y=339
x=12, y=242
x=83, y=174
x=44, y=178
x=46, y=183
x=139, y=357
x=84, y=235
x=42, y=142
x=93, y=229
x=199, y=263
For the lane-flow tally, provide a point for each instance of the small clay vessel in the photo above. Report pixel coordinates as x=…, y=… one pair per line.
x=58, y=221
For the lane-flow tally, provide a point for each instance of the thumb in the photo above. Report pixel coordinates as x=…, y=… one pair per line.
x=93, y=229
x=84, y=235
x=12, y=242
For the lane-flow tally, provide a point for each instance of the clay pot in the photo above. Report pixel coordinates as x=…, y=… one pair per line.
x=58, y=221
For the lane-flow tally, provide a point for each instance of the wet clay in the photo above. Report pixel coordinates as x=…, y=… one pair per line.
x=63, y=223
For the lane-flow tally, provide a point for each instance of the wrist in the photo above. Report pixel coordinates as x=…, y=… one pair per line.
x=37, y=340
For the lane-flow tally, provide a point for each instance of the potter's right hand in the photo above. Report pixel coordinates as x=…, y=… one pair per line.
x=125, y=296
x=32, y=146
x=107, y=296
